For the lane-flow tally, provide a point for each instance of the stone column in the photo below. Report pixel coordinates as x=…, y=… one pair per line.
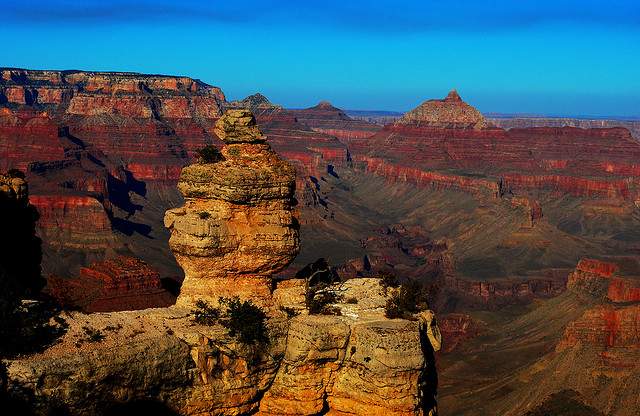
x=237, y=226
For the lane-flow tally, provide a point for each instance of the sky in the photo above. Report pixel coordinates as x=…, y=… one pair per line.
x=567, y=57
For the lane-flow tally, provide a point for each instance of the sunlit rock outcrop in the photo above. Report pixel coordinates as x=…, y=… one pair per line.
x=237, y=226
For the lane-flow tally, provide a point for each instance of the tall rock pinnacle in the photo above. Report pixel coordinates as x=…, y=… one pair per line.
x=237, y=226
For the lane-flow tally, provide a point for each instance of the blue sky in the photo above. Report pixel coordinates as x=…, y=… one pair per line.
x=555, y=57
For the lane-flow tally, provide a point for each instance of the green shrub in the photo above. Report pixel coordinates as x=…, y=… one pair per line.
x=245, y=321
x=205, y=314
x=209, y=154
x=388, y=279
x=409, y=299
x=320, y=301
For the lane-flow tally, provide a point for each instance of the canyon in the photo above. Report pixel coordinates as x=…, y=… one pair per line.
x=507, y=227
x=352, y=360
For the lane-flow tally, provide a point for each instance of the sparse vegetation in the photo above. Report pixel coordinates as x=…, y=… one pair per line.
x=29, y=326
x=407, y=300
x=205, y=314
x=388, y=279
x=113, y=328
x=351, y=301
x=16, y=173
x=243, y=319
x=209, y=154
x=320, y=300
x=291, y=312
x=93, y=335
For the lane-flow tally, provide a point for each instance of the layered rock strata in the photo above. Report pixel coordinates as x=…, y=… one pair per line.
x=237, y=226
x=450, y=112
x=121, y=283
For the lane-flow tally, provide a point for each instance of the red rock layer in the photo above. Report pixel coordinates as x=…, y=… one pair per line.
x=624, y=290
x=151, y=122
x=612, y=327
x=123, y=283
x=495, y=293
x=602, y=279
x=27, y=136
x=605, y=327
x=593, y=163
x=73, y=222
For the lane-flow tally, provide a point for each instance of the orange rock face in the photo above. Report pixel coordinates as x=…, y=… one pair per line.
x=237, y=225
x=605, y=327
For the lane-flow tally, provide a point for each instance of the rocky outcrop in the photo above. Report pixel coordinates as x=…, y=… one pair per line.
x=604, y=279
x=258, y=104
x=605, y=327
x=450, y=112
x=613, y=322
x=355, y=362
x=20, y=248
x=237, y=226
x=495, y=293
x=532, y=208
x=458, y=328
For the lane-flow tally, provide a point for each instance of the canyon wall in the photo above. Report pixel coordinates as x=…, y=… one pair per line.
x=348, y=361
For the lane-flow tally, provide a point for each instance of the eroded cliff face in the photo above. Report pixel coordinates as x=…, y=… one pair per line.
x=355, y=361
x=237, y=226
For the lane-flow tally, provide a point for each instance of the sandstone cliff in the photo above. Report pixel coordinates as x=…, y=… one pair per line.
x=237, y=226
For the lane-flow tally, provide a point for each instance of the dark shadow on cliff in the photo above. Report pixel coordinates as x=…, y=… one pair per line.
x=429, y=381
x=119, y=192
x=24, y=325
x=128, y=228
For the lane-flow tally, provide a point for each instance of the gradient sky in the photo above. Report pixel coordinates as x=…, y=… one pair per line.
x=573, y=57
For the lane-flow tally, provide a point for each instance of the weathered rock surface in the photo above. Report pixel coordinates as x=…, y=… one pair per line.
x=237, y=226
x=350, y=364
